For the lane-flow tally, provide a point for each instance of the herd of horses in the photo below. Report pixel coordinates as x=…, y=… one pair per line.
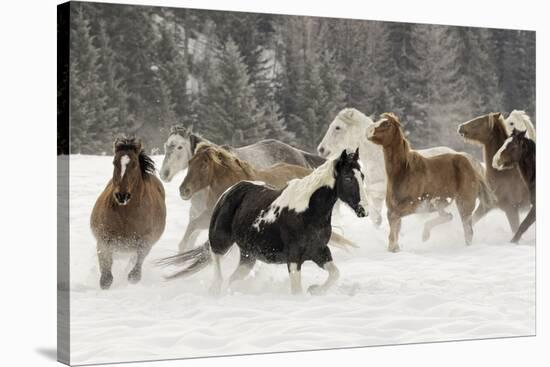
x=275, y=202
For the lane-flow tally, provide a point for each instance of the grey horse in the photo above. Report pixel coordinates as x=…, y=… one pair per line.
x=180, y=147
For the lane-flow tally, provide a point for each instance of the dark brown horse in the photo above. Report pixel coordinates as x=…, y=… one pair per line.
x=130, y=213
x=426, y=184
x=520, y=151
x=511, y=191
x=218, y=169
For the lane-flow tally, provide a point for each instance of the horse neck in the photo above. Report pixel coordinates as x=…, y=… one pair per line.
x=373, y=157
x=195, y=140
x=493, y=144
x=322, y=202
x=396, y=155
x=225, y=178
x=527, y=163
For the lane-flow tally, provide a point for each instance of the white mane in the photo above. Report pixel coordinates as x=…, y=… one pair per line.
x=354, y=116
x=296, y=195
x=521, y=121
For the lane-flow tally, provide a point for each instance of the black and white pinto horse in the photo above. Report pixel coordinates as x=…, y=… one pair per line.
x=180, y=147
x=288, y=226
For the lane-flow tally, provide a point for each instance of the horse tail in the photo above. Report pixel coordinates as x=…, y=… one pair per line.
x=313, y=160
x=193, y=261
x=341, y=242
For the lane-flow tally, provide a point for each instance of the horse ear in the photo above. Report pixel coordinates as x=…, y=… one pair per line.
x=521, y=133
x=356, y=154
x=497, y=115
x=116, y=143
x=343, y=155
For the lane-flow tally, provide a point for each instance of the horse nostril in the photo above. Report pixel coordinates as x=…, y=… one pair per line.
x=321, y=150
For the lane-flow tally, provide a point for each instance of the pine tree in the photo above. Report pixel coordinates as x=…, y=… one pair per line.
x=87, y=99
x=228, y=103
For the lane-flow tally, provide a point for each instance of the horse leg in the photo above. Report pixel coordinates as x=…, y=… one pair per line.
x=395, y=226
x=480, y=212
x=465, y=209
x=246, y=263
x=216, y=287
x=294, y=269
x=105, y=257
x=324, y=260
x=134, y=275
x=193, y=230
x=529, y=219
x=443, y=217
x=513, y=218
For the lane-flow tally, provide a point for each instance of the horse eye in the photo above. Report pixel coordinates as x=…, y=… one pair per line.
x=180, y=147
x=337, y=128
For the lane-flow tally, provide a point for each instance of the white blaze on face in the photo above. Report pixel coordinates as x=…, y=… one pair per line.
x=496, y=157
x=362, y=192
x=124, y=160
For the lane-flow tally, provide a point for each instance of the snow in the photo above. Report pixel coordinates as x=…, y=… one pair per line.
x=433, y=291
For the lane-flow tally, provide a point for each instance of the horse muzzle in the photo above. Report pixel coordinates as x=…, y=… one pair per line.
x=323, y=152
x=461, y=131
x=122, y=198
x=360, y=211
x=185, y=193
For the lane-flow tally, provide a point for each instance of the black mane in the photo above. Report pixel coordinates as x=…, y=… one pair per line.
x=146, y=164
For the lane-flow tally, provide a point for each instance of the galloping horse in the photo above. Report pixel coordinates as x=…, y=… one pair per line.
x=521, y=121
x=511, y=191
x=348, y=130
x=426, y=184
x=130, y=214
x=182, y=143
x=520, y=151
x=288, y=226
x=217, y=169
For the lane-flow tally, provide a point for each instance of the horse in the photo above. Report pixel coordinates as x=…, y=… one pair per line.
x=348, y=130
x=217, y=169
x=288, y=226
x=416, y=183
x=520, y=120
x=130, y=214
x=182, y=143
x=512, y=193
x=520, y=151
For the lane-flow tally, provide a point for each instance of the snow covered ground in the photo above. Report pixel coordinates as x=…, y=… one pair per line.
x=432, y=291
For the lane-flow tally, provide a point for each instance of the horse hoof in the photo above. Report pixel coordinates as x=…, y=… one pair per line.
x=515, y=240
x=134, y=276
x=215, y=290
x=105, y=281
x=316, y=290
x=394, y=249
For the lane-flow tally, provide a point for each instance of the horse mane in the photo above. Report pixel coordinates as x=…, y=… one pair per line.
x=297, y=193
x=498, y=125
x=146, y=164
x=353, y=116
x=225, y=158
x=521, y=115
x=410, y=159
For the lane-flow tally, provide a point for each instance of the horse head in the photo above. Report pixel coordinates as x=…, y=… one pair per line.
x=349, y=182
x=178, y=152
x=480, y=129
x=510, y=152
x=344, y=132
x=127, y=173
x=386, y=130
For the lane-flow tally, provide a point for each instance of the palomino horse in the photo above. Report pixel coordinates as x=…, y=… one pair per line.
x=217, y=169
x=130, y=213
x=348, y=131
x=182, y=143
x=520, y=151
x=521, y=121
x=426, y=184
x=511, y=191
x=288, y=226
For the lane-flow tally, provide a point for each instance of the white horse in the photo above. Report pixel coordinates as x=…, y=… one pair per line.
x=520, y=120
x=348, y=130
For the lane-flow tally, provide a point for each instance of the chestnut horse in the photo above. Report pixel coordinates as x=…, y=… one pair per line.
x=130, y=213
x=511, y=191
x=426, y=184
x=218, y=169
x=520, y=151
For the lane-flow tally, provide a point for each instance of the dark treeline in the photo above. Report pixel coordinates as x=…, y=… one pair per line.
x=241, y=77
